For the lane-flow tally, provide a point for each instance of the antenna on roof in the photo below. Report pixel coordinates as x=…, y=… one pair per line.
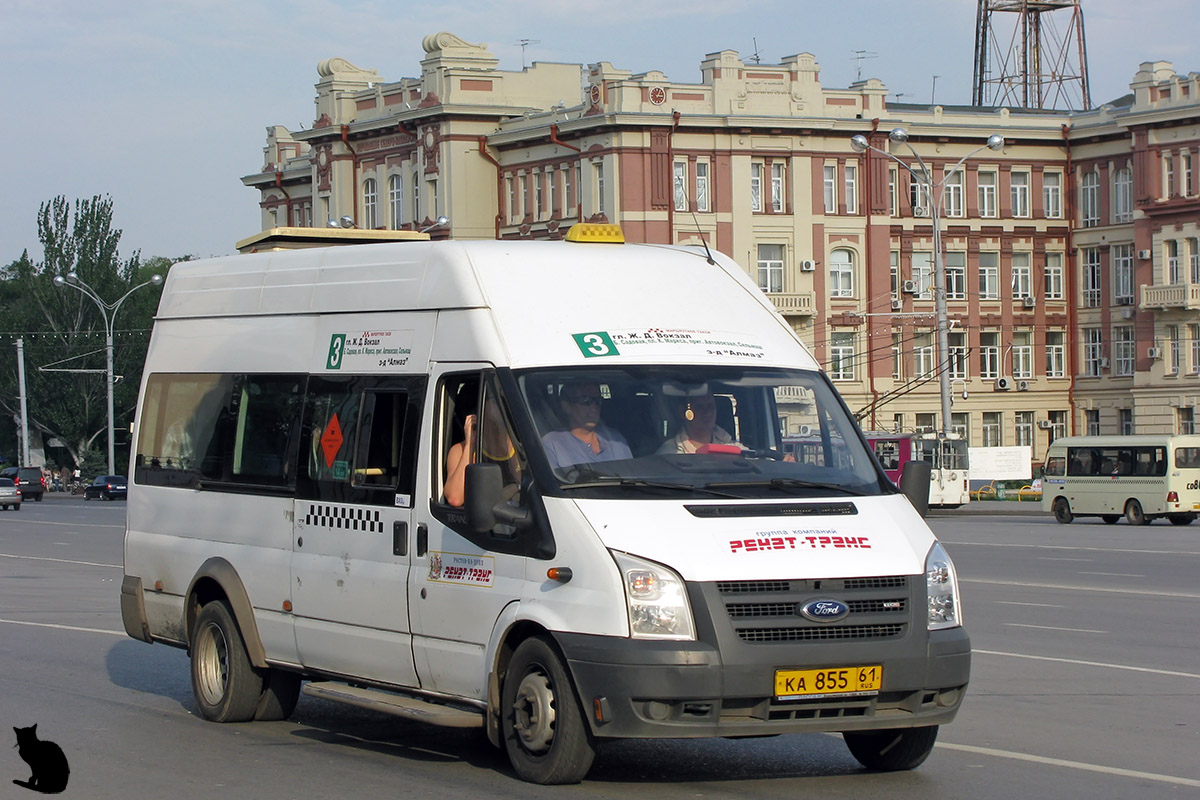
x=525, y=43
x=859, y=57
x=755, y=58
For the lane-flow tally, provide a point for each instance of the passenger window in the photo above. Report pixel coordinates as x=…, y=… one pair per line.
x=1056, y=466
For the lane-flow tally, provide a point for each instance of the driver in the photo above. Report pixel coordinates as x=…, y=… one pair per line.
x=586, y=439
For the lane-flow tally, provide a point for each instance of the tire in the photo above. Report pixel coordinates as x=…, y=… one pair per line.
x=892, y=750
x=38, y=498
x=543, y=728
x=226, y=686
x=105, y=496
x=1062, y=511
x=1134, y=514
x=281, y=691
x=1110, y=519
x=1181, y=519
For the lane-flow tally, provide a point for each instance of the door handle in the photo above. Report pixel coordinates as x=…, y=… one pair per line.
x=422, y=539
x=399, y=538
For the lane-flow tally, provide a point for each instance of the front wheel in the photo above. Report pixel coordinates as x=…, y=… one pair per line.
x=1110, y=519
x=226, y=685
x=542, y=725
x=892, y=750
x=1062, y=511
x=1134, y=514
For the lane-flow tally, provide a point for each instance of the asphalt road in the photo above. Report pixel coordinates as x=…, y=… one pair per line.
x=1085, y=684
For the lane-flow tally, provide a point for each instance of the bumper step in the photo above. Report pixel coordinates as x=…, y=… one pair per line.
x=398, y=705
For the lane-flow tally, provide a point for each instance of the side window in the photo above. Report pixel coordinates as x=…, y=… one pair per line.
x=470, y=437
x=235, y=430
x=1056, y=467
x=359, y=440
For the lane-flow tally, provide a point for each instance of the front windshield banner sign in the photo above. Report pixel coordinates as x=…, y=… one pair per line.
x=369, y=351
x=667, y=341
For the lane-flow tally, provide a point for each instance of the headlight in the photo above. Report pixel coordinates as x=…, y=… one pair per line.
x=941, y=586
x=656, y=599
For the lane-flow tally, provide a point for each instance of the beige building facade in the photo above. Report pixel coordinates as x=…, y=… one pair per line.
x=1071, y=255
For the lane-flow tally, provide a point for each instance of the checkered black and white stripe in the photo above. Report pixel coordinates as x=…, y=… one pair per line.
x=351, y=518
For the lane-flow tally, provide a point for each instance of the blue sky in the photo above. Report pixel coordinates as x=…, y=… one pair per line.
x=163, y=105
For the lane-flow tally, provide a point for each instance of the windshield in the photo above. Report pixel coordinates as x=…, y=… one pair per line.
x=696, y=431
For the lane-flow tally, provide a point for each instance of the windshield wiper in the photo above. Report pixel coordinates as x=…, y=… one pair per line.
x=788, y=483
x=639, y=483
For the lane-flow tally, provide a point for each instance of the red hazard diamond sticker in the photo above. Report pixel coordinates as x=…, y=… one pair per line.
x=331, y=440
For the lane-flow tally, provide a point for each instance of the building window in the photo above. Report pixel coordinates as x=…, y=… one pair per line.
x=1194, y=335
x=958, y=354
x=1092, y=421
x=770, y=267
x=918, y=198
x=1174, y=349
x=598, y=173
x=1089, y=199
x=680, y=184
x=1020, y=194
x=1185, y=160
x=539, y=195
x=923, y=365
x=1194, y=259
x=777, y=187
x=1056, y=354
x=841, y=273
x=1058, y=424
x=552, y=198
x=894, y=258
x=514, y=208
x=922, y=273
x=952, y=194
x=993, y=427
x=989, y=276
x=987, y=194
x=1022, y=355
x=396, y=201
x=1024, y=428
x=851, y=189
x=370, y=204
x=956, y=275
x=1052, y=194
x=1054, y=276
x=1174, y=271
x=1168, y=168
x=1091, y=277
x=1123, y=350
x=989, y=354
x=1125, y=421
x=960, y=423
x=893, y=192
x=897, y=355
x=1093, y=351
x=702, y=201
x=756, y=184
x=416, y=198
x=1122, y=258
x=1122, y=196
x=1186, y=424
x=569, y=201
x=926, y=422
x=1022, y=282
x=841, y=357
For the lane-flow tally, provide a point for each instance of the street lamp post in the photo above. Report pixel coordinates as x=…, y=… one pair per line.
x=109, y=312
x=932, y=191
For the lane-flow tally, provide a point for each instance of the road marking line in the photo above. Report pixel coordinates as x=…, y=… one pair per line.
x=1184, y=595
x=1113, y=574
x=1070, y=547
x=1062, y=762
x=1168, y=672
x=1051, y=628
x=61, y=561
x=1063, y=558
x=71, y=524
x=1035, y=605
x=62, y=627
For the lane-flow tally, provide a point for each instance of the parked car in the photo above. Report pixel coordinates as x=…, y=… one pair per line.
x=106, y=487
x=10, y=495
x=31, y=482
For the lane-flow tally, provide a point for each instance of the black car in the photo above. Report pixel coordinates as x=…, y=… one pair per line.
x=29, y=480
x=106, y=487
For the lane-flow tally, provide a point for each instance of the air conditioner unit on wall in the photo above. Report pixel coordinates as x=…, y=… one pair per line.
x=808, y=265
x=1127, y=312
x=1103, y=363
x=910, y=287
x=1004, y=384
x=1125, y=301
x=920, y=211
x=1045, y=424
x=1153, y=352
x=1022, y=386
x=804, y=430
x=1028, y=301
x=1144, y=255
x=897, y=304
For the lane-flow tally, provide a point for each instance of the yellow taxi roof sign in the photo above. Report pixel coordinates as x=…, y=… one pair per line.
x=595, y=232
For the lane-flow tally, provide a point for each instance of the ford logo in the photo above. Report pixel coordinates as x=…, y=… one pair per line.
x=825, y=610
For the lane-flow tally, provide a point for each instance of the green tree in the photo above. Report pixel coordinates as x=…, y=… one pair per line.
x=64, y=330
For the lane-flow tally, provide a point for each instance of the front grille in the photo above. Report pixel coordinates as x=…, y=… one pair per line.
x=768, y=612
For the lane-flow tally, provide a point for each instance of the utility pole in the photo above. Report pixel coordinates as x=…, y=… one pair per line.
x=24, y=408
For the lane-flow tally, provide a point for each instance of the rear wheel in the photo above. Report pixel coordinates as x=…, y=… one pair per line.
x=1110, y=519
x=1062, y=511
x=1181, y=519
x=892, y=750
x=1134, y=514
x=226, y=685
x=542, y=725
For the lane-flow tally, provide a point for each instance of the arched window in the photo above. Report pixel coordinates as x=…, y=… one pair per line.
x=841, y=273
x=396, y=201
x=370, y=204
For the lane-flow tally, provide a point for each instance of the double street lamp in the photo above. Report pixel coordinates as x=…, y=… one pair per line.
x=109, y=312
x=932, y=191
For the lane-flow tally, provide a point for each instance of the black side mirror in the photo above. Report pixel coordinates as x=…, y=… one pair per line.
x=486, y=500
x=914, y=482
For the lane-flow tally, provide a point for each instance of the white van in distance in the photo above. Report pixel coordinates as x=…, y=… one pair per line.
x=537, y=487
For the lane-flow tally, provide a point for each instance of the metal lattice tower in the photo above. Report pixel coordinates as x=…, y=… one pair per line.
x=1041, y=63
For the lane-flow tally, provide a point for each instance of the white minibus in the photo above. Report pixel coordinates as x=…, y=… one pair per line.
x=532, y=487
x=1140, y=477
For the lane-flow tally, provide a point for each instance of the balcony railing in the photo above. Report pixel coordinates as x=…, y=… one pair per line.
x=1181, y=295
x=796, y=304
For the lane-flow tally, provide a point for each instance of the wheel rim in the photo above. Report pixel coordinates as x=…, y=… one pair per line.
x=533, y=712
x=212, y=660
x=1135, y=511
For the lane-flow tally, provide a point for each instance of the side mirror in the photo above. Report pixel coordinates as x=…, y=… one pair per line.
x=914, y=482
x=486, y=499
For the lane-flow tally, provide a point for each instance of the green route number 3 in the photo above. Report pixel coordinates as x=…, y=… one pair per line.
x=593, y=345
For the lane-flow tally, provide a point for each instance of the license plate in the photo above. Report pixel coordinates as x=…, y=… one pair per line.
x=791, y=684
